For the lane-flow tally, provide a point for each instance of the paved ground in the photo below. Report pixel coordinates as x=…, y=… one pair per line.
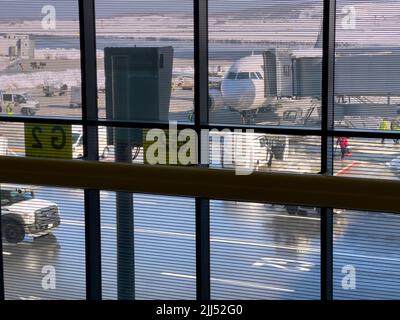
x=258, y=251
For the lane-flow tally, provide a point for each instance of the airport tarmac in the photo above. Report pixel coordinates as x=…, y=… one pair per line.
x=258, y=251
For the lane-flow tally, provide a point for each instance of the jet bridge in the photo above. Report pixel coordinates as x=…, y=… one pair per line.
x=359, y=74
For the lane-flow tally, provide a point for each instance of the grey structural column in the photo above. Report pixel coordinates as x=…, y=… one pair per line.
x=124, y=200
x=87, y=30
x=200, y=12
x=327, y=143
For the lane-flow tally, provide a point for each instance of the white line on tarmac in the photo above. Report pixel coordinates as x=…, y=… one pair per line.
x=237, y=241
x=231, y=282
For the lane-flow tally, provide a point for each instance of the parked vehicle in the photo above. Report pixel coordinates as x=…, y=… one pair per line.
x=307, y=211
x=76, y=97
x=77, y=142
x=22, y=214
x=18, y=103
x=52, y=90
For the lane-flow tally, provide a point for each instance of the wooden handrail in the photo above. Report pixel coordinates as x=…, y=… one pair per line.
x=304, y=189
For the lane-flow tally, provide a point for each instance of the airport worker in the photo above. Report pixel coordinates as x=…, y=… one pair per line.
x=9, y=109
x=343, y=142
x=384, y=126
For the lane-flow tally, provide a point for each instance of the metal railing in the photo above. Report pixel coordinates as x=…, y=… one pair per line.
x=305, y=189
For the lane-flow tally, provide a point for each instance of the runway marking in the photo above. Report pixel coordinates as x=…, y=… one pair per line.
x=30, y=298
x=145, y=202
x=367, y=257
x=347, y=169
x=231, y=282
x=238, y=241
x=287, y=264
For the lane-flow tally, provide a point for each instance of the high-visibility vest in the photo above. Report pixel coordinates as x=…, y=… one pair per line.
x=384, y=125
x=9, y=109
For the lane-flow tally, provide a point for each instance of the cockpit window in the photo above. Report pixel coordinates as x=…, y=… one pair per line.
x=243, y=75
x=259, y=75
x=231, y=76
x=253, y=76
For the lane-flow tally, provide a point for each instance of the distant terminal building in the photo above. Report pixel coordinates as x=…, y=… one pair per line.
x=17, y=46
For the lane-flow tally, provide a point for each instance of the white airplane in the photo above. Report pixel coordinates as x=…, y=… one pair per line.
x=244, y=84
x=243, y=88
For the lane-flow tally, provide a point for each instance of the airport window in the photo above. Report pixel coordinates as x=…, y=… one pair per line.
x=39, y=62
x=286, y=70
x=321, y=97
x=359, y=267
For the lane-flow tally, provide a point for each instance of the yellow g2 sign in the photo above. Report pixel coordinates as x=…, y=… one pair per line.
x=48, y=140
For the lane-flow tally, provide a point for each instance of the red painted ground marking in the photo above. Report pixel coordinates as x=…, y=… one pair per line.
x=347, y=169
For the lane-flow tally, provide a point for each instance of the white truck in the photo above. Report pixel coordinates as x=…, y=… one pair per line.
x=76, y=97
x=18, y=103
x=77, y=142
x=22, y=214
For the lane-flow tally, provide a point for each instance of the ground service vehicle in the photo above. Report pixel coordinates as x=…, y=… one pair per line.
x=77, y=142
x=307, y=211
x=22, y=214
x=76, y=97
x=51, y=90
x=18, y=103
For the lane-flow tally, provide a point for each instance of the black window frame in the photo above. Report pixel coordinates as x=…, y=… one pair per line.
x=90, y=124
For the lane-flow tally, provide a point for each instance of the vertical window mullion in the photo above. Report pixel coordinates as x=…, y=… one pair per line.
x=327, y=123
x=89, y=113
x=1, y=262
x=200, y=19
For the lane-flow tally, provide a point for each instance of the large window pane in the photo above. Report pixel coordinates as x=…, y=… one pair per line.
x=43, y=243
x=250, y=152
x=40, y=59
x=366, y=256
x=41, y=140
x=263, y=251
x=367, y=86
x=138, y=25
x=164, y=246
x=265, y=62
x=367, y=158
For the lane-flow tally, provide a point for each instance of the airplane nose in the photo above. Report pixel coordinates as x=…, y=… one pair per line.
x=238, y=94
